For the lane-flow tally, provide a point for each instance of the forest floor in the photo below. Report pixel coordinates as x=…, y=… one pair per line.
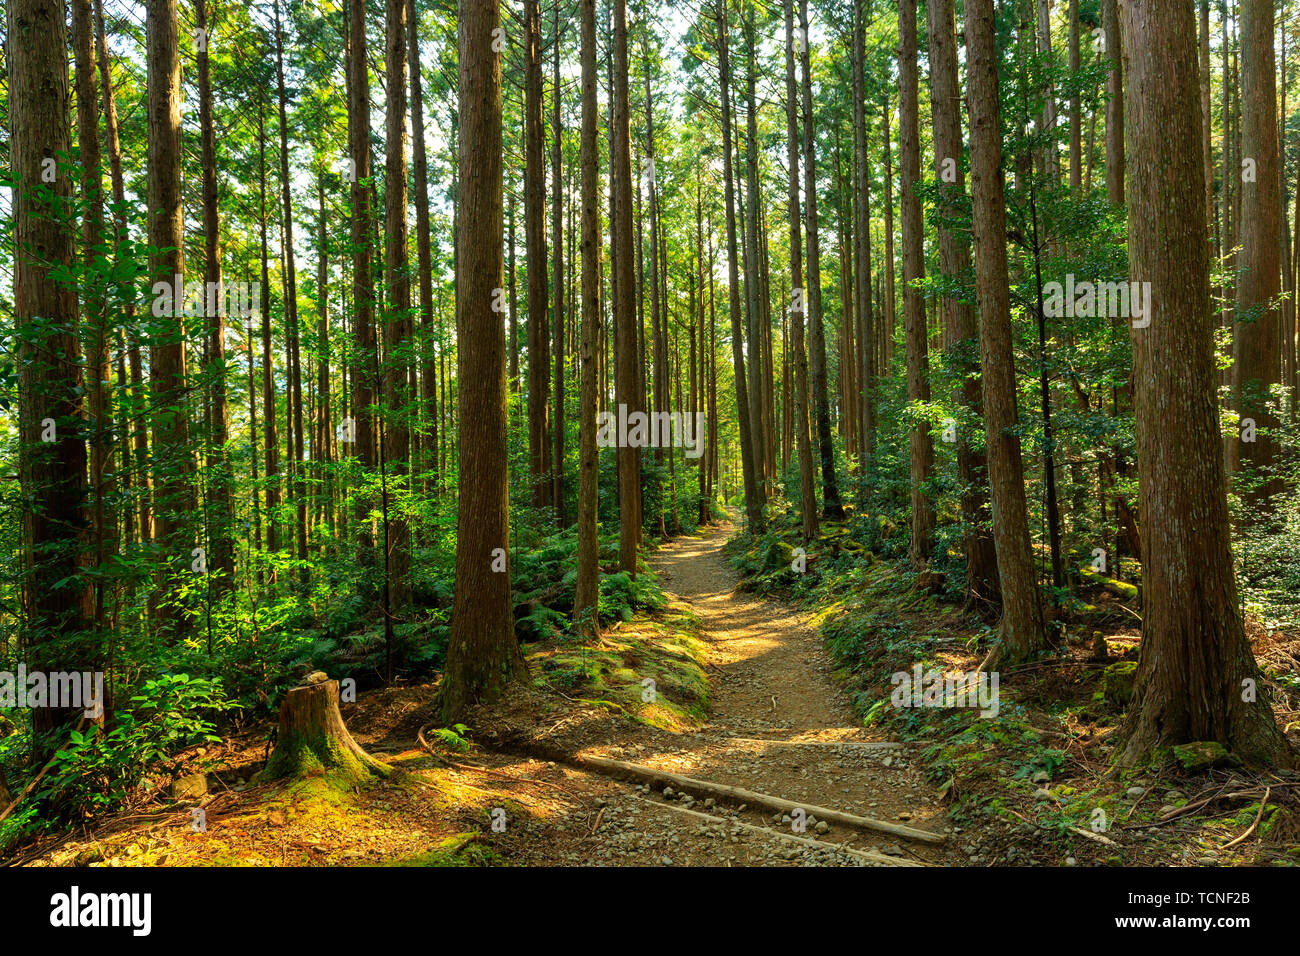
x=777, y=723
x=745, y=695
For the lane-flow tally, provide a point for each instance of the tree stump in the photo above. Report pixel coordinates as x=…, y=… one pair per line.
x=313, y=739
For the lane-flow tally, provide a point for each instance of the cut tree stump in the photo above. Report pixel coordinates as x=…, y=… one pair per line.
x=312, y=738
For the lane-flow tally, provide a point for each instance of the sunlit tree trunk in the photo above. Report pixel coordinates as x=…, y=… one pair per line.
x=961, y=328
x=1020, y=631
x=831, y=506
x=174, y=500
x=483, y=655
x=1256, y=338
x=539, y=366
x=57, y=602
x=1196, y=675
x=918, y=362
x=587, y=585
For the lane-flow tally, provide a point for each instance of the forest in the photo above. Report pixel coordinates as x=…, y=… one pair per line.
x=649, y=433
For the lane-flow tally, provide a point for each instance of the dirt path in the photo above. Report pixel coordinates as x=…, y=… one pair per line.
x=779, y=724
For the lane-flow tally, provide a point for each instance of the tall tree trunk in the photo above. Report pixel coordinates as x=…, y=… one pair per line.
x=705, y=514
x=512, y=327
x=270, y=439
x=1203, y=51
x=292, y=335
x=862, y=236
x=918, y=363
x=1257, y=337
x=960, y=323
x=754, y=519
x=754, y=374
x=627, y=381
x=135, y=452
x=891, y=298
x=1114, y=102
x=1194, y=659
x=483, y=655
x=94, y=237
x=174, y=499
x=1020, y=631
x=323, y=446
x=558, y=280
x=659, y=348
x=397, y=325
x=831, y=506
x=539, y=366
x=1076, y=107
x=424, y=254
x=363, y=323
x=220, y=518
x=587, y=585
x=52, y=463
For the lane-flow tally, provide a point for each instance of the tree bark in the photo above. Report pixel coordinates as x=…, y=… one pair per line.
x=862, y=240
x=483, y=655
x=831, y=506
x=754, y=355
x=802, y=428
x=587, y=585
x=424, y=253
x=1020, y=631
x=557, y=249
x=1195, y=660
x=220, y=518
x=292, y=335
x=270, y=438
x=363, y=327
x=921, y=445
x=52, y=473
x=397, y=326
x=627, y=387
x=1114, y=102
x=539, y=366
x=891, y=302
x=135, y=453
x=960, y=324
x=94, y=236
x=1257, y=335
x=754, y=519
x=174, y=499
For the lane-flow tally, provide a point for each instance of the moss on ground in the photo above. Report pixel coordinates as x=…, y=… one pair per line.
x=616, y=674
x=463, y=849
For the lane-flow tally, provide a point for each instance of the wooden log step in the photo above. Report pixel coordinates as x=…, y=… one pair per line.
x=621, y=768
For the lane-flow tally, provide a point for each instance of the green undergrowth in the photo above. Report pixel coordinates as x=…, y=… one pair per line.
x=463, y=849
x=650, y=669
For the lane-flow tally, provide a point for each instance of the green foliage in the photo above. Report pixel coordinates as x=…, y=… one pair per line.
x=99, y=769
x=621, y=595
